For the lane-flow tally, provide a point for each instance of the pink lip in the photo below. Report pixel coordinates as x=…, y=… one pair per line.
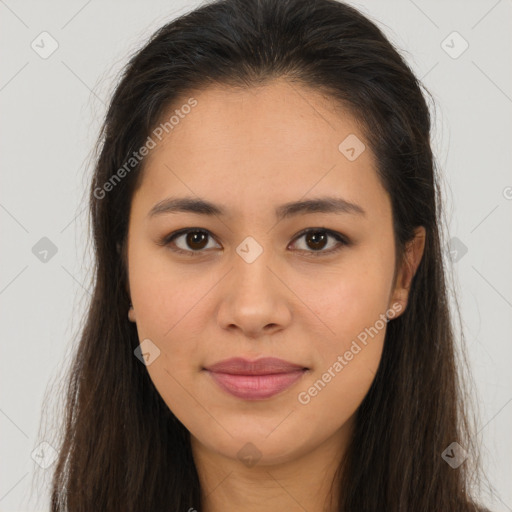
x=255, y=380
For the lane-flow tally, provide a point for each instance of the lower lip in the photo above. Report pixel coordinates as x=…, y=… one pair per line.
x=256, y=387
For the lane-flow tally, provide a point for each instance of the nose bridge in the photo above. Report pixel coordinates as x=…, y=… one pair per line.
x=252, y=299
x=251, y=265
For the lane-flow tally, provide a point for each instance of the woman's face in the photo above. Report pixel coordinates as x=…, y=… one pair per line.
x=251, y=284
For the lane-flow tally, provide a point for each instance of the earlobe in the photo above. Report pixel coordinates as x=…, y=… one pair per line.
x=399, y=301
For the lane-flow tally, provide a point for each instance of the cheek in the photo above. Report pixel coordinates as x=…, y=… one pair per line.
x=337, y=390
x=353, y=306
x=166, y=296
x=349, y=301
x=347, y=360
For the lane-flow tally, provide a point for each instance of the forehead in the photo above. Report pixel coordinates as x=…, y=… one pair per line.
x=277, y=143
x=283, y=116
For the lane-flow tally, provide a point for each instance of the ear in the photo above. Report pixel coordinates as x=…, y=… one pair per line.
x=413, y=253
x=131, y=314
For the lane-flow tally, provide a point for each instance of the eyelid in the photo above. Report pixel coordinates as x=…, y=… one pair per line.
x=342, y=239
x=167, y=239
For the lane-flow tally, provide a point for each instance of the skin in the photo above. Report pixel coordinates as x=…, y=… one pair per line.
x=251, y=150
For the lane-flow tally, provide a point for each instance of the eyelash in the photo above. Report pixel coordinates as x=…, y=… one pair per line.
x=344, y=241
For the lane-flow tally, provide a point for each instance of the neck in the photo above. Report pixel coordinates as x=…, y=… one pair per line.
x=299, y=483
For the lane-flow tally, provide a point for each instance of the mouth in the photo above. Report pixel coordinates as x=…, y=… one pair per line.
x=255, y=380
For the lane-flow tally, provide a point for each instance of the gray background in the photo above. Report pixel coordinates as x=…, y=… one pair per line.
x=51, y=110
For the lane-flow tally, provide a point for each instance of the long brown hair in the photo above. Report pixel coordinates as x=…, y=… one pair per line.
x=122, y=448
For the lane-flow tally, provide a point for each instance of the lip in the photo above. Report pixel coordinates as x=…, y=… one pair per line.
x=262, y=366
x=255, y=380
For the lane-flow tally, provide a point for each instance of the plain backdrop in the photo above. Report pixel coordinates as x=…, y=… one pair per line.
x=51, y=110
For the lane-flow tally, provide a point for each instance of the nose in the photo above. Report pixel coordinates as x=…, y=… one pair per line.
x=255, y=301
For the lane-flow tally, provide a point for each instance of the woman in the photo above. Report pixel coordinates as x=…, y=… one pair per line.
x=269, y=328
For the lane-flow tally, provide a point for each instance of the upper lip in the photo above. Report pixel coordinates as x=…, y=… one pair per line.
x=262, y=366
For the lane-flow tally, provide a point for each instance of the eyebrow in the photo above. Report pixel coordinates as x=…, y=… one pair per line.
x=336, y=205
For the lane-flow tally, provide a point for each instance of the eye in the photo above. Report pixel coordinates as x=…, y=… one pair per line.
x=193, y=238
x=317, y=239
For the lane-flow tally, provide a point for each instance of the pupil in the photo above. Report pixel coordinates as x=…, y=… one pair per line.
x=196, y=237
x=316, y=239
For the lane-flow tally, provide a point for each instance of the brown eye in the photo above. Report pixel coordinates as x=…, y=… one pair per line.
x=196, y=239
x=192, y=242
x=188, y=241
x=316, y=240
